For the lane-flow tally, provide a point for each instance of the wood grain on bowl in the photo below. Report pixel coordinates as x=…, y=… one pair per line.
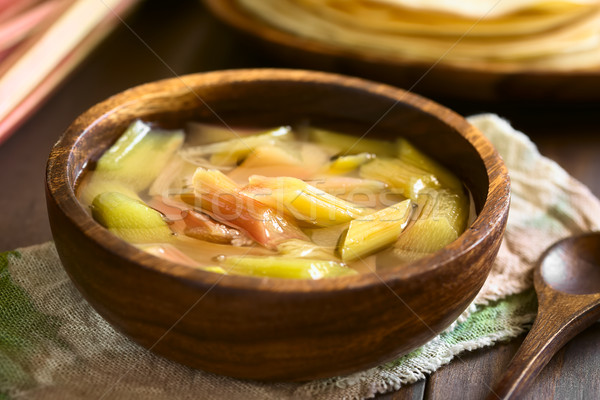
x=274, y=329
x=479, y=80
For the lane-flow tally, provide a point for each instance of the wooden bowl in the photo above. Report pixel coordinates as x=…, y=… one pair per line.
x=475, y=81
x=276, y=329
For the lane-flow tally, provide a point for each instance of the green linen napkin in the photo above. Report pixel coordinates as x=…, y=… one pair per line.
x=53, y=345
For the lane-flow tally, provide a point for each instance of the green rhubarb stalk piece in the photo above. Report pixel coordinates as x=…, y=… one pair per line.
x=371, y=233
x=133, y=162
x=303, y=201
x=230, y=152
x=345, y=164
x=442, y=218
x=348, y=144
x=404, y=178
x=413, y=156
x=285, y=267
x=129, y=218
x=138, y=156
x=214, y=269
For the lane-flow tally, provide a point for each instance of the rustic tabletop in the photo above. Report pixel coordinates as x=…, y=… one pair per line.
x=163, y=39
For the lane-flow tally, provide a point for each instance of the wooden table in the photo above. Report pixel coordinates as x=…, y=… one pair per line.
x=167, y=38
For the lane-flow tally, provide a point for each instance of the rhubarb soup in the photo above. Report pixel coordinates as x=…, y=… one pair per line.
x=296, y=203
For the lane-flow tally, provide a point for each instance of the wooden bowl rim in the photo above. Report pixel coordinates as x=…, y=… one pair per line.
x=238, y=18
x=60, y=187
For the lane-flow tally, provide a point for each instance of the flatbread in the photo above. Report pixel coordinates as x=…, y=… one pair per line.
x=476, y=9
x=560, y=35
x=378, y=16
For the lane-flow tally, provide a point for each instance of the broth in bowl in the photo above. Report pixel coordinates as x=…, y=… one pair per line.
x=282, y=202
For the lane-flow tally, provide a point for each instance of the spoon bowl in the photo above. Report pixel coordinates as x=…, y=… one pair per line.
x=567, y=283
x=572, y=265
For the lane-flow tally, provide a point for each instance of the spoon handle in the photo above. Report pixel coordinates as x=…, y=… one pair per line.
x=550, y=331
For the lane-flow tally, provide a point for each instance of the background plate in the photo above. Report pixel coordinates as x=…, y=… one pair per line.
x=484, y=82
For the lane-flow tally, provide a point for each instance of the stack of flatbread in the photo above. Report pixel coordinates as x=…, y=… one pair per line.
x=510, y=34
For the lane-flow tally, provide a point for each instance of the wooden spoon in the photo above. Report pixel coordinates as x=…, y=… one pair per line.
x=567, y=283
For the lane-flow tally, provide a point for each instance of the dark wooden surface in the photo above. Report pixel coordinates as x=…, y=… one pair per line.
x=181, y=38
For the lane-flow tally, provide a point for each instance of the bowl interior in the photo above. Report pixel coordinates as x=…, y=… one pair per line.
x=267, y=98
